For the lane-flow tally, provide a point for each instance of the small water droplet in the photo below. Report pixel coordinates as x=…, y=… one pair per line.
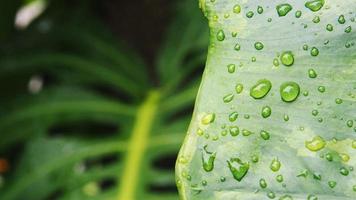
x=332, y=184
x=275, y=165
x=312, y=73
x=254, y=158
x=233, y=116
x=349, y=123
x=237, y=47
x=329, y=27
x=259, y=45
x=207, y=119
x=239, y=88
x=348, y=29
x=236, y=9
x=287, y=58
x=314, y=51
x=315, y=112
x=231, y=68
x=316, y=144
x=286, y=197
x=271, y=195
x=344, y=157
x=279, y=178
x=341, y=19
x=234, y=131
x=315, y=5
x=259, y=10
x=312, y=197
x=321, y=89
x=204, y=182
x=285, y=117
x=305, y=47
x=289, y=91
x=220, y=36
x=266, y=111
x=329, y=157
x=265, y=135
x=316, y=19
x=260, y=89
x=249, y=14
x=283, y=9
x=275, y=62
x=298, y=14
x=344, y=171
x=246, y=132
x=208, y=159
x=263, y=183
x=228, y=98
x=338, y=101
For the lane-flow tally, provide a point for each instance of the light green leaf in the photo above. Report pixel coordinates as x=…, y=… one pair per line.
x=293, y=139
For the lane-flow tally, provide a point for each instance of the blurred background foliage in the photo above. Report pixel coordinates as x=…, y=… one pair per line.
x=96, y=96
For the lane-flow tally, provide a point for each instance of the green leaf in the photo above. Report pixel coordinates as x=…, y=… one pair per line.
x=277, y=104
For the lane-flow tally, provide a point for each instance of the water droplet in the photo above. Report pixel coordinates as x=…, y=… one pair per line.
x=348, y=29
x=222, y=179
x=344, y=157
x=265, y=135
x=204, y=182
x=332, y=184
x=275, y=62
x=207, y=119
x=253, y=59
x=234, y=131
x=315, y=112
x=316, y=144
x=316, y=19
x=246, y=132
x=259, y=10
x=329, y=27
x=338, y=101
x=233, y=116
x=314, y=51
x=228, y=98
x=275, y=165
x=237, y=9
x=254, y=158
x=329, y=157
x=350, y=123
x=200, y=132
x=231, y=68
x=266, y=111
x=305, y=47
x=249, y=14
x=208, y=159
x=239, y=88
x=304, y=173
x=287, y=58
x=271, y=195
x=263, y=183
x=237, y=47
x=238, y=168
x=223, y=133
x=260, y=89
x=283, y=9
x=279, y=178
x=289, y=91
x=341, y=19
x=220, y=36
x=285, y=117
x=321, y=89
x=298, y=14
x=259, y=45
x=312, y=73
x=286, y=197
x=234, y=34
x=269, y=19
x=354, y=188
x=315, y=5
x=317, y=176
x=344, y=171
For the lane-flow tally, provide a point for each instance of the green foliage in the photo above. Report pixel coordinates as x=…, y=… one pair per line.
x=276, y=111
x=99, y=128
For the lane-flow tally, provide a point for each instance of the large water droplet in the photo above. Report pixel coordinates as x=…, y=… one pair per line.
x=316, y=144
x=283, y=9
x=289, y=91
x=208, y=159
x=315, y=5
x=260, y=89
x=238, y=168
x=287, y=58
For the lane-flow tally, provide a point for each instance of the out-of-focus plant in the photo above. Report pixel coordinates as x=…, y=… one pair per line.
x=80, y=116
x=275, y=117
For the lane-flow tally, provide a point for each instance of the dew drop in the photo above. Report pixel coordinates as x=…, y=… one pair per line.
x=321, y=89
x=289, y=91
x=200, y=132
x=266, y=136
x=237, y=47
x=271, y=195
x=315, y=5
x=344, y=171
x=238, y=168
x=341, y=19
x=220, y=36
x=266, y=111
x=287, y=58
x=329, y=27
x=246, y=132
x=254, y=158
x=316, y=144
x=263, y=183
x=279, y=178
x=314, y=51
x=315, y=112
x=348, y=29
x=298, y=14
x=260, y=89
x=228, y=98
x=305, y=47
x=283, y=9
x=239, y=88
x=204, y=182
x=312, y=197
x=259, y=46
x=233, y=116
x=275, y=165
x=275, y=62
x=259, y=10
x=338, y=101
x=350, y=123
x=234, y=131
x=316, y=19
x=231, y=68
x=312, y=73
x=207, y=119
x=329, y=157
x=236, y=9
x=208, y=159
x=286, y=197
x=249, y=14
x=332, y=184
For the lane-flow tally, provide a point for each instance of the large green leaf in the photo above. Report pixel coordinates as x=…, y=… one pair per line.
x=295, y=140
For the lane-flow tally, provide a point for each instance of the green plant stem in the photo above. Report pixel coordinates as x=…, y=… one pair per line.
x=137, y=146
